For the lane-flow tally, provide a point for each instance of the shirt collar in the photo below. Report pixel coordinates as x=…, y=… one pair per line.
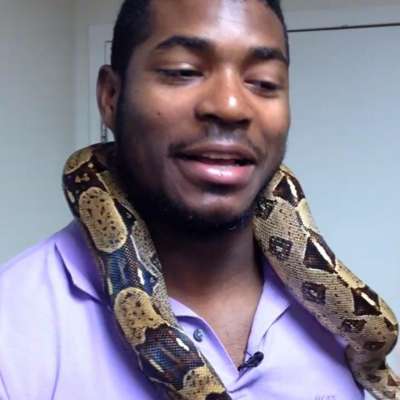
x=273, y=303
x=79, y=262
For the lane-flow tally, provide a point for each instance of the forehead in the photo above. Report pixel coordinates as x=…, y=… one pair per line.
x=238, y=22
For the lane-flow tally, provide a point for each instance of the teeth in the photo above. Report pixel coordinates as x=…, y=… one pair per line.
x=218, y=156
x=219, y=159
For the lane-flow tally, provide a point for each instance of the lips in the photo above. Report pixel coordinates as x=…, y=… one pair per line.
x=219, y=159
x=222, y=164
x=220, y=152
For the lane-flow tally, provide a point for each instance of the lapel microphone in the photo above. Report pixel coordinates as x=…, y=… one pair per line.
x=252, y=362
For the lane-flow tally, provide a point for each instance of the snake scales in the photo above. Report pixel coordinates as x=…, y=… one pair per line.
x=284, y=230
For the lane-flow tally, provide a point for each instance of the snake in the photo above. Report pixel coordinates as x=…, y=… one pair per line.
x=285, y=232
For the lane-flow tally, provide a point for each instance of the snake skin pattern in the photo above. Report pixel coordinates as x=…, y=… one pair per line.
x=286, y=233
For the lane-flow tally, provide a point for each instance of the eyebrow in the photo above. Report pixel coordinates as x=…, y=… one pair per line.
x=189, y=42
x=199, y=44
x=268, y=54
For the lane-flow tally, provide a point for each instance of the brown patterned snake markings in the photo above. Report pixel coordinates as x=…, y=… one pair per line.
x=285, y=232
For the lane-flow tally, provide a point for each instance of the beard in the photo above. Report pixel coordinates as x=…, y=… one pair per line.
x=157, y=207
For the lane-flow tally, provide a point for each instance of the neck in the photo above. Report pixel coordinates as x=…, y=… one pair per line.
x=199, y=270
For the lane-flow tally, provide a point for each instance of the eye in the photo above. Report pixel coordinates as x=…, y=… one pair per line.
x=265, y=88
x=183, y=74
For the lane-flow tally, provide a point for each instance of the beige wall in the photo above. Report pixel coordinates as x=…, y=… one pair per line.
x=36, y=118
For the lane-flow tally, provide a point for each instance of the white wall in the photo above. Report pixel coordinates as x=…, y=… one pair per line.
x=44, y=82
x=36, y=118
x=299, y=17
x=88, y=13
x=331, y=5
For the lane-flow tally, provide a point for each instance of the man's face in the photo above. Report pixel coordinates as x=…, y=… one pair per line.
x=203, y=114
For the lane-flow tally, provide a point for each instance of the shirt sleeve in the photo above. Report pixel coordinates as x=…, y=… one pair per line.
x=3, y=391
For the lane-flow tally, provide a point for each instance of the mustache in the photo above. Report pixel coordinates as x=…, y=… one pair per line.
x=216, y=134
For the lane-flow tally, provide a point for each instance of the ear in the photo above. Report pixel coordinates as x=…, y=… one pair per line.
x=108, y=92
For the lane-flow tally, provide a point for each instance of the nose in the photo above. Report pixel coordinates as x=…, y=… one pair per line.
x=224, y=102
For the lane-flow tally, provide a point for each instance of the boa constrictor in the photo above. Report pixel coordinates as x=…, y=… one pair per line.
x=285, y=232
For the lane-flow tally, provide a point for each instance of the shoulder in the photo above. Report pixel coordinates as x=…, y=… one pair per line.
x=59, y=263
x=32, y=270
x=38, y=298
x=28, y=284
x=36, y=281
x=53, y=273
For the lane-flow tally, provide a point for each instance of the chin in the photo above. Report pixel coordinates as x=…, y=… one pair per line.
x=209, y=224
x=212, y=217
x=195, y=216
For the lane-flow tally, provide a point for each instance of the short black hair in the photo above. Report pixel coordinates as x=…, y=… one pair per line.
x=133, y=27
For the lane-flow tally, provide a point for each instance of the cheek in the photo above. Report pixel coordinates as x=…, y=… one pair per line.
x=277, y=117
x=275, y=123
x=161, y=108
x=149, y=129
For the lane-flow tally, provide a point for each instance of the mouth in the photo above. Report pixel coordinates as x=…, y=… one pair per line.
x=217, y=164
x=218, y=159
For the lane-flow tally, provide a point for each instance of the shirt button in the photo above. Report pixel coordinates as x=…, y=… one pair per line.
x=198, y=335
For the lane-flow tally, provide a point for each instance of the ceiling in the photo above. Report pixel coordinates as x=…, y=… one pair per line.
x=302, y=5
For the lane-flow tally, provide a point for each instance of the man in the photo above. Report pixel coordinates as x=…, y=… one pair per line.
x=197, y=97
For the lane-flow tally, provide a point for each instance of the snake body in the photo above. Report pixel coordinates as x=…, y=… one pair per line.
x=288, y=237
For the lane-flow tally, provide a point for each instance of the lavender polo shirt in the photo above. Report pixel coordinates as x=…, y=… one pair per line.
x=58, y=339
